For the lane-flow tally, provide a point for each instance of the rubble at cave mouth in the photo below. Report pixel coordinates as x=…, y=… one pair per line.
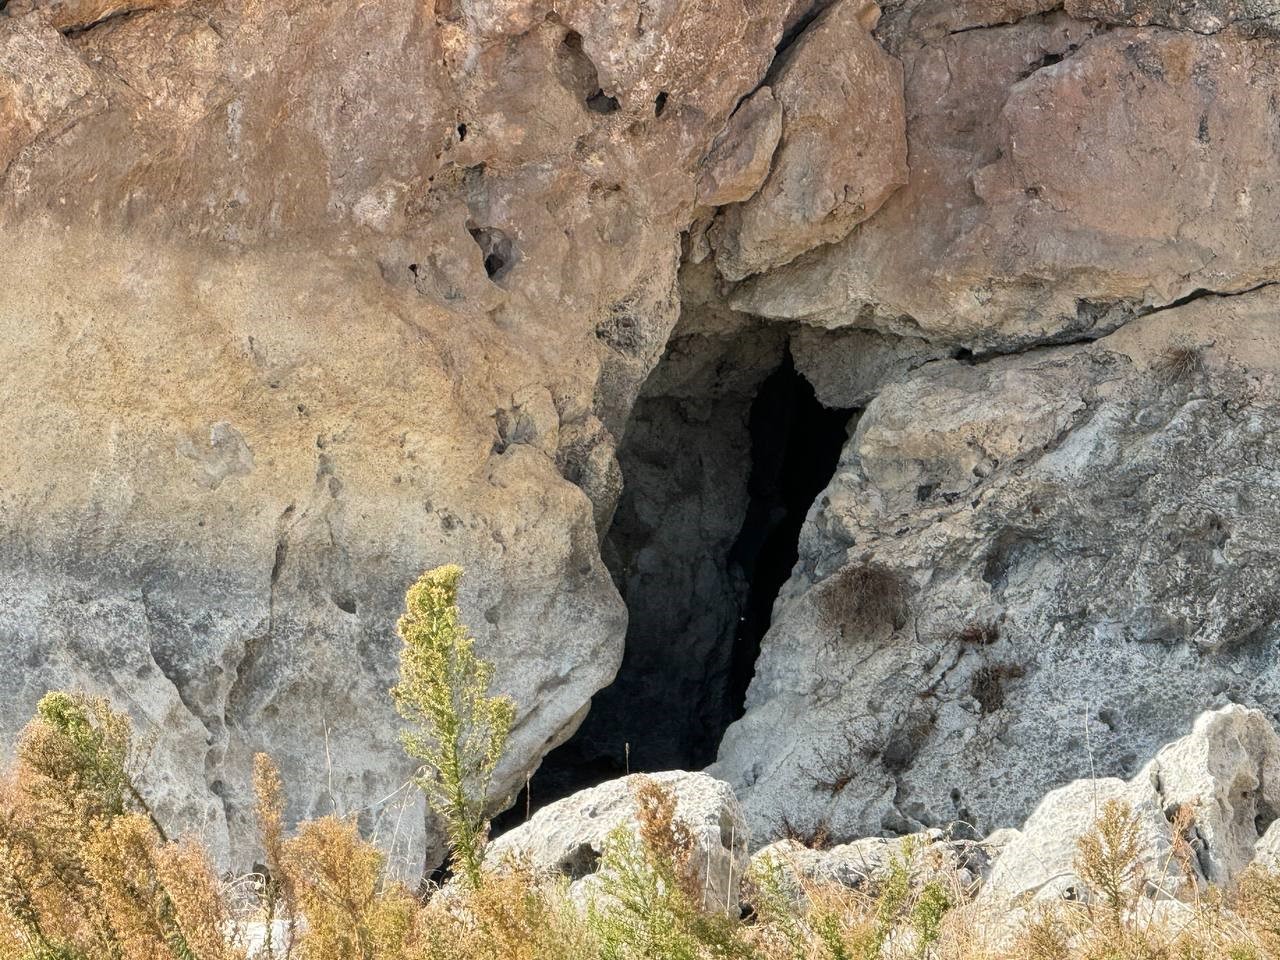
x=718, y=485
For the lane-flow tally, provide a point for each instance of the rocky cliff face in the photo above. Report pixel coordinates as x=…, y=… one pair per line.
x=302, y=298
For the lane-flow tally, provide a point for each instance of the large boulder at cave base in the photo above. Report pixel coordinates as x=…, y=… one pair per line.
x=569, y=836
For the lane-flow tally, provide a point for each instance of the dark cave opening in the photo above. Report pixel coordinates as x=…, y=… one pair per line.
x=717, y=487
x=795, y=446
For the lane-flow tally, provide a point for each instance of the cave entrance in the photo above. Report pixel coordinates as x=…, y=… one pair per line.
x=726, y=449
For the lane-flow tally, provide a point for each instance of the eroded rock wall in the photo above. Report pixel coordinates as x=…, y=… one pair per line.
x=1032, y=566
x=302, y=298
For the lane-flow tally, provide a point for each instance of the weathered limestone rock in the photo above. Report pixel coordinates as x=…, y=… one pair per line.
x=568, y=837
x=867, y=863
x=1044, y=202
x=1202, y=16
x=42, y=83
x=740, y=159
x=840, y=156
x=80, y=14
x=1225, y=773
x=301, y=299
x=1025, y=569
x=1267, y=852
x=848, y=367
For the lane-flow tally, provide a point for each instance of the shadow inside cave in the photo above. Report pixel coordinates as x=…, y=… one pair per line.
x=718, y=485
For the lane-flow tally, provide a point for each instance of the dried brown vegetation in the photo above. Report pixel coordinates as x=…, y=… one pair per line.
x=86, y=874
x=1180, y=362
x=862, y=598
x=987, y=685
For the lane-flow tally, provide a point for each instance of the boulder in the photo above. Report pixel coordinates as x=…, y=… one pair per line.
x=740, y=158
x=568, y=837
x=867, y=863
x=839, y=158
x=1224, y=777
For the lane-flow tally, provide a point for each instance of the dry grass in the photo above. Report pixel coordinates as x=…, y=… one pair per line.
x=863, y=598
x=85, y=874
x=987, y=685
x=88, y=873
x=1180, y=362
x=979, y=634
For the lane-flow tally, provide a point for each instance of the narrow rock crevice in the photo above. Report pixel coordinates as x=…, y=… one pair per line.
x=80, y=29
x=725, y=452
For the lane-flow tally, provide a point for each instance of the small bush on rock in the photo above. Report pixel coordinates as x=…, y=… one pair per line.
x=862, y=598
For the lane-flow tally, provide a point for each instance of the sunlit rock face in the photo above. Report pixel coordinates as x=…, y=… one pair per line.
x=301, y=299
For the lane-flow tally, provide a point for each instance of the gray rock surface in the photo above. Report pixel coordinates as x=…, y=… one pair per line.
x=1025, y=569
x=867, y=863
x=568, y=836
x=1224, y=772
x=300, y=300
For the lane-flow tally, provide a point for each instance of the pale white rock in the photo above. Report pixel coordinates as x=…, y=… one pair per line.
x=1267, y=852
x=568, y=837
x=1225, y=774
x=1039, y=862
x=865, y=864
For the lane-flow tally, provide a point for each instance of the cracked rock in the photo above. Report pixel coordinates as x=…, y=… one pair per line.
x=1226, y=773
x=1082, y=537
x=843, y=149
x=740, y=159
x=1043, y=204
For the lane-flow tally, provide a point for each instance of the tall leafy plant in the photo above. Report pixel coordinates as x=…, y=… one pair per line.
x=459, y=729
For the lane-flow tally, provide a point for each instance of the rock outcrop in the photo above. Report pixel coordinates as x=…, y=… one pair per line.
x=1025, y=569
x=1202, y=812
x=568, y=837
x=1066, y=176
x=302, y=299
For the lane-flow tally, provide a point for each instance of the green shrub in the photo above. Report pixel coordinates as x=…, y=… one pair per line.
x=461, y=729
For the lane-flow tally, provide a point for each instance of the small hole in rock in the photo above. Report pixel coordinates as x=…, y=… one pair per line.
x=498, y=250
x=344, y=603
x=660, y=104
x=413, y=268
x=601, y=102
x=462, y=132
x=582, y=862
